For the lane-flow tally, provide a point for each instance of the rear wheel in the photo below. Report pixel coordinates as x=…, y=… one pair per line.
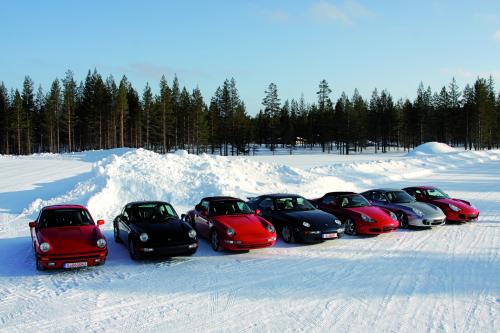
x=287, y=234
x=350, y=227
x=215, y=240
x=132, y=250
x=403, y=220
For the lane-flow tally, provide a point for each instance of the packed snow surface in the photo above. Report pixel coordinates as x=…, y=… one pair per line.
x=440, y=280
x=431, y=148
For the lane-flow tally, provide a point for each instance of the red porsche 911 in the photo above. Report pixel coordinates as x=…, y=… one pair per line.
x=456, y=210
x=65, y=236
x=229, y=224
x=357, y=214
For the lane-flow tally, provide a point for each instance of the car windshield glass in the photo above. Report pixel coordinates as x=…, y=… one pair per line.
x=292, y=203
x=229, y=207
x=399, y=197
x=435, y=193
x=152, y=212
x=352, y=201
x=53, y=218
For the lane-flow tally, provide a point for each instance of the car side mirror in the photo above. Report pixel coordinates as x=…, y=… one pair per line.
x=100, y=222
x=32, y=224
x=258, y=212
x=197, y=207
x=204, y=213
x=124, y=218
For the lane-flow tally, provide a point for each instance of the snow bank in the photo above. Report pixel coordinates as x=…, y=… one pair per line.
x=431, y=148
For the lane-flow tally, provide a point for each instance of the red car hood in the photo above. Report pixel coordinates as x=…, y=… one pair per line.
x=244, y=225
x=460, y=204
x=71, y=239
x=374, y=212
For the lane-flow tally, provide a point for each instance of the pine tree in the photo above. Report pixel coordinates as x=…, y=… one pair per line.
x=4, y=120
x=271, y=103
x=28, y=99
x=147, y=105
x=122, y=109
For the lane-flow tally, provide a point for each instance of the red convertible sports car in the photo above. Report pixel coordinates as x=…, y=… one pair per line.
x=357, y=214
x=456, y=210
x=65, y=236
x=230, y=224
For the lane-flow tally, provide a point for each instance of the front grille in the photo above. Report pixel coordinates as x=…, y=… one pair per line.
x=388, y=228
x=254, y=246
x=375, y=229
x=437, y=221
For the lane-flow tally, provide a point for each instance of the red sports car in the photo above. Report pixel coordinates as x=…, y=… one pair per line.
x=230, y=224
x=456, y=210
x=357, y=214
x=65, y=236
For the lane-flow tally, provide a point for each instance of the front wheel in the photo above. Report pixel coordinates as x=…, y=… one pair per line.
x=116, y=235
x=403, y=220
x=350, y=227
x=287, y=234
x=132, y=250
x=215, y=240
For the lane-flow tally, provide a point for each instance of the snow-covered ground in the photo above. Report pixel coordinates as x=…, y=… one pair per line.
x=445, y=279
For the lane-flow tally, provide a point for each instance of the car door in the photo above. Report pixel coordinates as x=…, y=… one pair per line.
x=266, y=207
x=202, y=221
x=124, y=223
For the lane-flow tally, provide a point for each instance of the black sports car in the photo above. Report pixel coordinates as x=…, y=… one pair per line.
x=151, y=228
x=296, y=219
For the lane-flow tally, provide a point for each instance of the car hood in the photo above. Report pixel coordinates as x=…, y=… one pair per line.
x=173, y=229
x=318, y=219
x=376, y=213
x=429, y=210
x=446, y=201
x=247, y=224
x=72, y=239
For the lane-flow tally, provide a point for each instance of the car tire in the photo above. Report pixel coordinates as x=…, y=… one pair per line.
x=215, y=240
x=39, y=267
x=116, y=235
x=132, y=251
x=350, y=227
x=287, y=234
x=403, y=220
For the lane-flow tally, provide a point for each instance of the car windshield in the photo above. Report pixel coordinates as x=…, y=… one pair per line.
x=434, y=193
x=152, y=212
x=229, y=207
x=399, y=197
x=53, y=218
x=349, y=201
x=292, y=203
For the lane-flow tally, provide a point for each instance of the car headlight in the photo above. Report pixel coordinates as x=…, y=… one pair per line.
x=454, y=208
x=270, y=228
x=306, y=224
x=418, y=212
x=192, y=233
x=101, y=243
x=393, y=216
x=366, y=218
x=230, y=232
x=338, y=222
x=144, y=237
x=44, y=247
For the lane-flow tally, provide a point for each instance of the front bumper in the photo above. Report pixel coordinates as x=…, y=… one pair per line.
x=427, y=221
x=243, y=245
x=462, y=217
x=169, y=250
x=314, y=236
x=376, y=228
x=74, y=260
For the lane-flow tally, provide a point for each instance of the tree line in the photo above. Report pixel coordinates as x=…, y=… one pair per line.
x=101, y=113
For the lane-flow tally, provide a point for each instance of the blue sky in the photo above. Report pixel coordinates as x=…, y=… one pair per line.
x=295, y=44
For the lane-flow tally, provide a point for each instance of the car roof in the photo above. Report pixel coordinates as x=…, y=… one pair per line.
x=384, y=190
x=55, y=207
x=340, y=193
x=220, y=198
x=135, y=203
x=426, y=187
x=279, y=195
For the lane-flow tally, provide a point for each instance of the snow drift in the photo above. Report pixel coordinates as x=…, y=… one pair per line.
x=431, y=148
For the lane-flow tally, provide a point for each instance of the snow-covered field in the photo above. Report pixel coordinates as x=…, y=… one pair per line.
x=442, y=280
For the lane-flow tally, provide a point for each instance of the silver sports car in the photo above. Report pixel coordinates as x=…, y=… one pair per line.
x=409, y=211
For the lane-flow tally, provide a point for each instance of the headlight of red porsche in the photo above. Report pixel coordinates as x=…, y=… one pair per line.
x=101, y=243
x=44, y=247
x=270, y=228
x=230, y=232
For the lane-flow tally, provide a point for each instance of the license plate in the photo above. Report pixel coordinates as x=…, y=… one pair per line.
x=327, y=236
x=75, y=264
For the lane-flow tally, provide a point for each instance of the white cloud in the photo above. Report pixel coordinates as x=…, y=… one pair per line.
x=496, y=35
x=346, y=13
x=471, y=75
x=279, y=16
